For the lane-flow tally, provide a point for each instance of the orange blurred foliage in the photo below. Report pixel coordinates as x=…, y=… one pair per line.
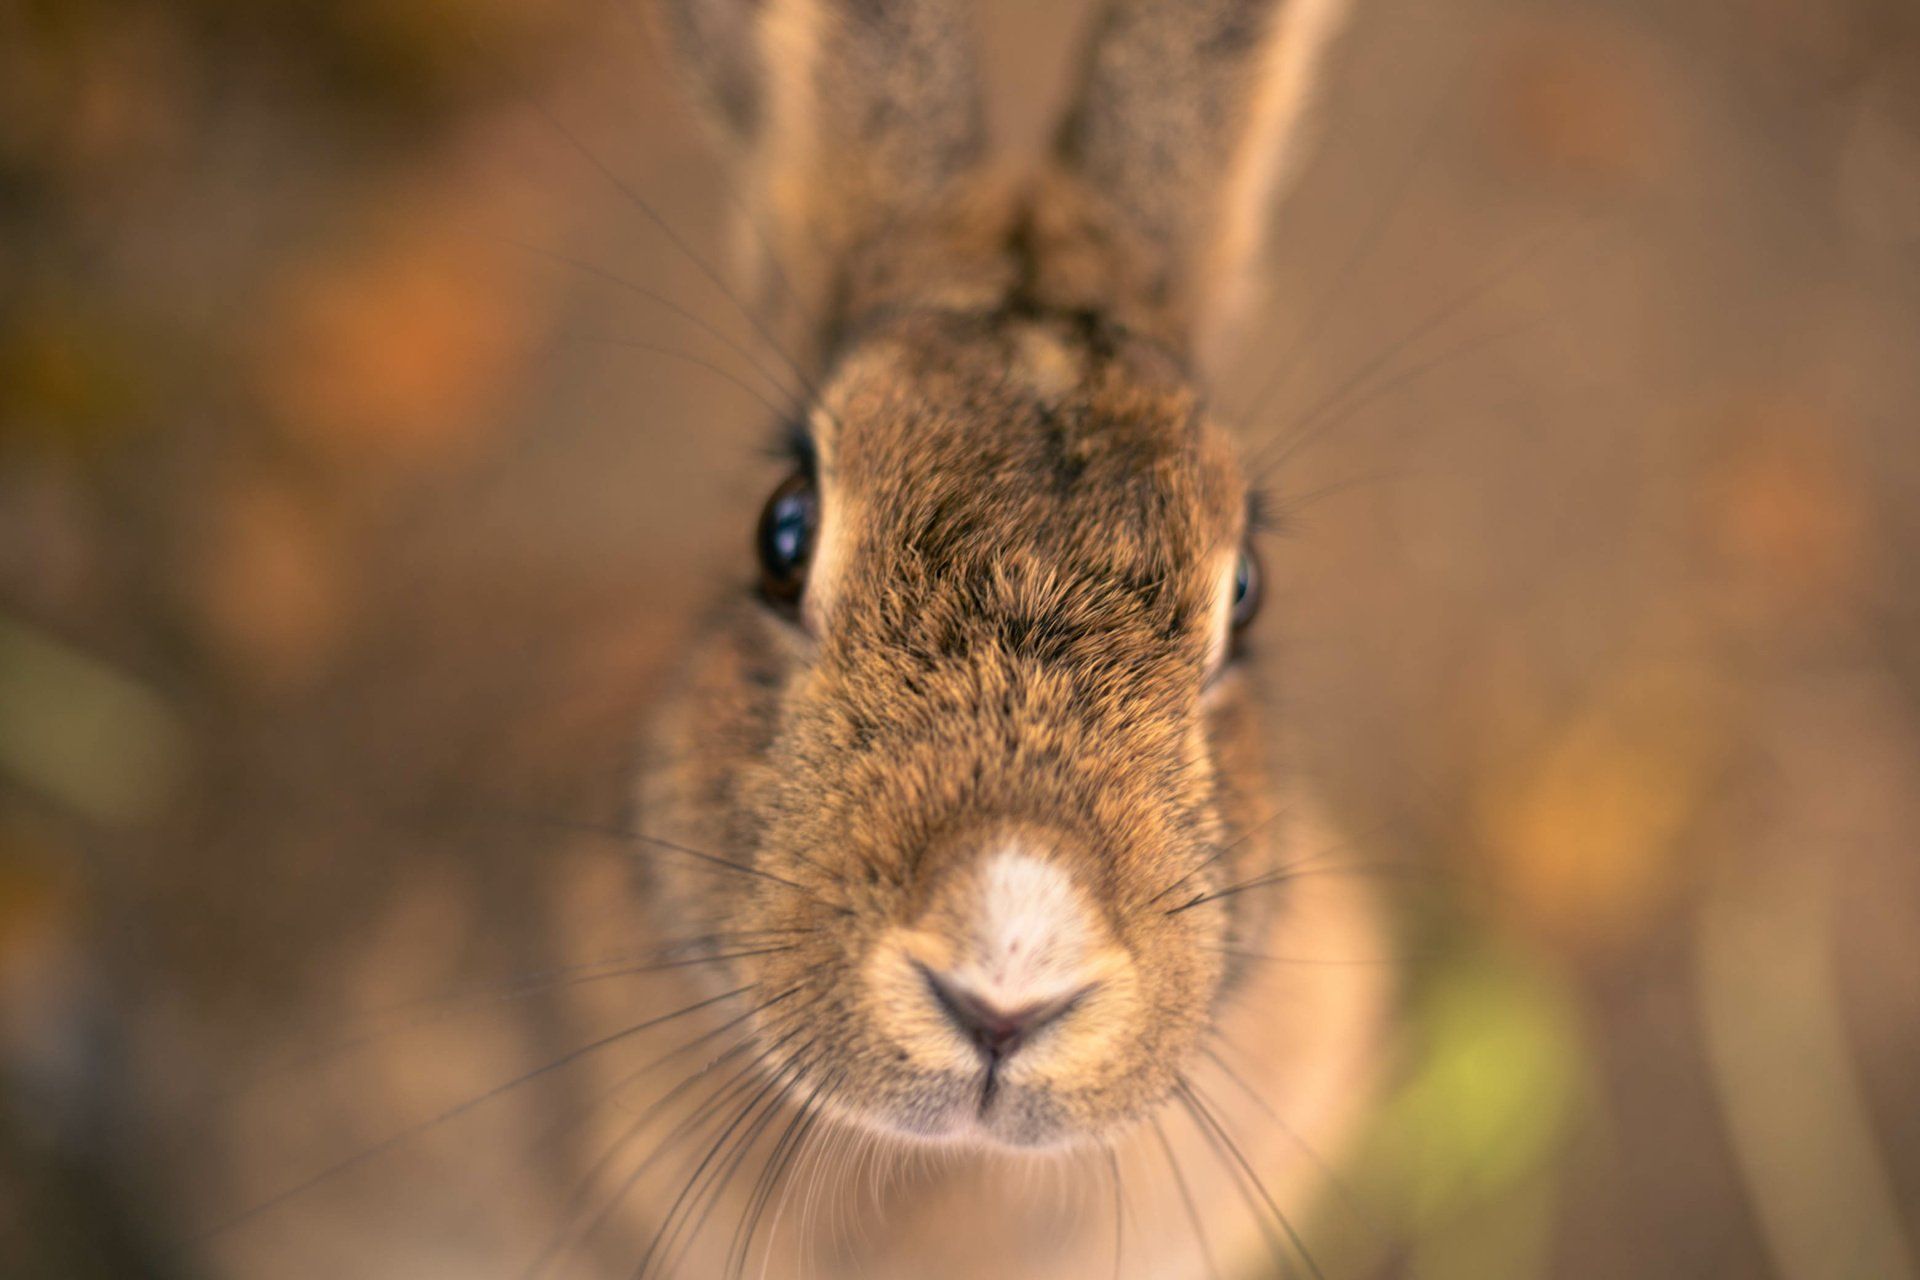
x=397, y=349
x=1585, y=100
x=1785, y=516
x=1584, y=826
x=273, y=583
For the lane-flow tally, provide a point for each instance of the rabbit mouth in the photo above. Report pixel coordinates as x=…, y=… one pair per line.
x=1015, y=1118
x=983, y=1111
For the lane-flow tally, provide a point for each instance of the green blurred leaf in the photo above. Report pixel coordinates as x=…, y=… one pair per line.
x=82, y=732
x=1462, y=1154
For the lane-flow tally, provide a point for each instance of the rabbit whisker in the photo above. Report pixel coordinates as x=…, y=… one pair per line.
x=772, y=1174
x=679, y=243
x=1290, y=507
x=801, y=1151
x=1225, y=1146
x=1337, y=408
x=743, y=209
x=570, y=1235
x=673, y=307
x=1310, y=862
x=439, y=1009
x=577, y=1203
x=785, y=1081
x=393, y=1141
x=1327, y=1172
x=1364, y=245
x=721, y=1096
x=1282, y=1263
x=1185, y=1192
x=1222, y=851
x=735, y=1087
x=1274, y=878
x=795, y=885
x=1263, y=957
x=692, y=358
x=714, y=860
x=676, y=1218
x=1311, y=427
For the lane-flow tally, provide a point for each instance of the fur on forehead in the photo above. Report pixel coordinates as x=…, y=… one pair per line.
x=1001, y=434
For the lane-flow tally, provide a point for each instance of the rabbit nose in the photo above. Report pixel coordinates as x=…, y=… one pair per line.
x=997, y=1032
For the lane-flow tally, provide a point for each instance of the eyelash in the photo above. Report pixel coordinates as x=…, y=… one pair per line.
x=1264, y=514
x=792, y=445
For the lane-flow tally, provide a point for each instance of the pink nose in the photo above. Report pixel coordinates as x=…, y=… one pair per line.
x=998, y=1033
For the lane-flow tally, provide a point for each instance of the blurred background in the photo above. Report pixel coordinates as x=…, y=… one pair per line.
x=356, y=486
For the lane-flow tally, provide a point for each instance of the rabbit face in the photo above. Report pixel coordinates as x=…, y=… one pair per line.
x=980, y=766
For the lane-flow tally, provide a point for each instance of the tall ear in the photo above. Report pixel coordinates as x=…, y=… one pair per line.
x=1188, y=119
x=854, y=122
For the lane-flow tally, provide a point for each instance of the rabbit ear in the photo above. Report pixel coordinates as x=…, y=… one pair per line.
x=853, y=121
x=1187, y=120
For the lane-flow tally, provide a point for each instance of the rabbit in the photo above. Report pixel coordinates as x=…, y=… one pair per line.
x=992, y=935
x=981, y=741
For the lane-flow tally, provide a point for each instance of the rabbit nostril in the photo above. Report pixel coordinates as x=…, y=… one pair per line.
x=998, y=1033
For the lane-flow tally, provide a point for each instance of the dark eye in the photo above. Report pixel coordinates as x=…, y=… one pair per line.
x=785, y=537
x=1246, y=588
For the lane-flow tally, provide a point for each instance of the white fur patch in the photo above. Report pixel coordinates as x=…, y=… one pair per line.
x=1222, y=631
x=1030, y=938
x=828, y=565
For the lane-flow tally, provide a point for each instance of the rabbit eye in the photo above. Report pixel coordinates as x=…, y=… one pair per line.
x=1246, y=588
x=785, y=538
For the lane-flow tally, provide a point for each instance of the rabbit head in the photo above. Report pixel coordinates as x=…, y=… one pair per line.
x=978, y=741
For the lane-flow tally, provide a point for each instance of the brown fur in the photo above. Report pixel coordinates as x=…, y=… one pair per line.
x=1013, y=631
x=1020, y=636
